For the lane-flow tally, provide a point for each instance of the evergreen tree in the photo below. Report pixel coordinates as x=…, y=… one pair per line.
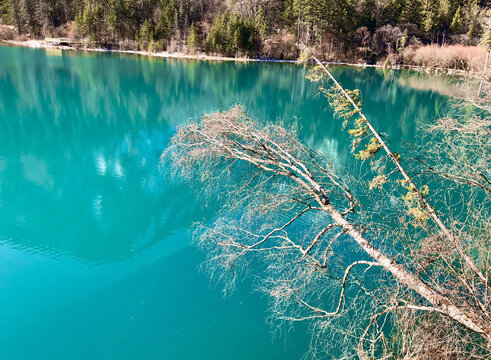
x=445, y=14
x=112, y=18
x=411, y=12
x=193, y=41
x=167, y=24
x=217, y=35
x=472, y=19
x=390, y=13
x=429, y=17
x=457, y=23
x=367, y=15
x=288, y=18
x=261, y=22
x=146, y=36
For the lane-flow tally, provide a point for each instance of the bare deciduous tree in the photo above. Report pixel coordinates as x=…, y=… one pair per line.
x=401, y=261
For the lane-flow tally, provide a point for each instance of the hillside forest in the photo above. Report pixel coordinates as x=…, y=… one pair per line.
x=359, y=30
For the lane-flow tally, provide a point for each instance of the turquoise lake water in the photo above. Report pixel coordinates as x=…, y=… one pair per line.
x=95, y=254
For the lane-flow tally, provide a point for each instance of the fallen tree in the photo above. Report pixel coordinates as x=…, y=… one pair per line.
x=286, y=205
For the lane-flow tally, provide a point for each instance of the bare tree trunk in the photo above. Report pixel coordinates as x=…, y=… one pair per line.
x=431, y=211
x=441, y=304
x=225, y=137
x=485, y=69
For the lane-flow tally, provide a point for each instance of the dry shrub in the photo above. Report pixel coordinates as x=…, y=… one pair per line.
x=280, y=46
x=7, y=32
x=66, y=30
x=431, y=336
x=462, y=39
x=385, y=39
x=127, y=45
x=334, y=48
x=408, y=55
x=175, y=46
x=22, y=37
x=69, y=29
x=446, y=57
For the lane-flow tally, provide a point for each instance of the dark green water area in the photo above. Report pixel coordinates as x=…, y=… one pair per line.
x=95, y=253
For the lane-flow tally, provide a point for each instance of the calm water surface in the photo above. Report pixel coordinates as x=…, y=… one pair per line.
x=95, y=255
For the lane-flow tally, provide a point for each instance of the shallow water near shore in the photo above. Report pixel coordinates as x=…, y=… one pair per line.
x=95, y=253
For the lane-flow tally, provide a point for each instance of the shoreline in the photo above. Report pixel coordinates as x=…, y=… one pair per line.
x=43, y=44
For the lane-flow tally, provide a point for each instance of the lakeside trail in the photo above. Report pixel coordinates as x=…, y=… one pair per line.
x=202, y=56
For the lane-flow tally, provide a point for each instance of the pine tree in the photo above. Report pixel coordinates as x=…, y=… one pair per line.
x=111, y=17
x=429, y=17
x=10, y=14
x=411, y=12
x=146, y=36
x=166, y=26
x=193, y=41
x=217, y=35
x=390, y=13
x=367, y=15
x=261, y=22
x=472, y=19
x=457, y=23
x=26, y=13
x=445, y=12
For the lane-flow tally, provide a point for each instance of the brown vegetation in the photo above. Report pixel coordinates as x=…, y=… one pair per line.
x=280, y=46
x=7, y=32
x=459, y=57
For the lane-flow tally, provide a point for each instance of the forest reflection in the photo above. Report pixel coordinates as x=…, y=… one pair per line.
x=81, y=136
